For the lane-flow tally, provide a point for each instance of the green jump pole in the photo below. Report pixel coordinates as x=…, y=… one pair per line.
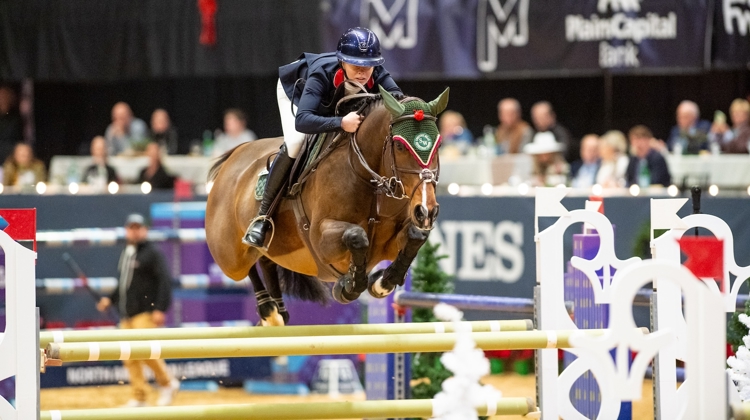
x=323, y=345
x=298, y=411
x=46, y=337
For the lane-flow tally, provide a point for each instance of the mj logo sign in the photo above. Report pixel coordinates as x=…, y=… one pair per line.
x=400, y=17
x=499, y=25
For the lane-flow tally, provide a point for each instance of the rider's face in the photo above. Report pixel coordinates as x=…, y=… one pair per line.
x=359, y=73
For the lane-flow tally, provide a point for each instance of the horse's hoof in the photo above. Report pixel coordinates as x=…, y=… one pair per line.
x=375, y=285
x=274, y=319
x=340, y=294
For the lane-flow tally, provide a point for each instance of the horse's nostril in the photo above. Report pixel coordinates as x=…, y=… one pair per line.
x=420, y=213
x=434, y=213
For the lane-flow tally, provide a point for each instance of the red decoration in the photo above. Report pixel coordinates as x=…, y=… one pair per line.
x=183, y=189
x=705, y=256
x=419, y=115
x=208, y=21
x=19, y=224
x=600, y=199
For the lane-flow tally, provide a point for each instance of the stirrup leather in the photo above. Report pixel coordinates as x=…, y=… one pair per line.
x=262, y=217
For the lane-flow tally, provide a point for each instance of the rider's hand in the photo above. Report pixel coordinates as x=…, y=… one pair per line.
x=350, y=123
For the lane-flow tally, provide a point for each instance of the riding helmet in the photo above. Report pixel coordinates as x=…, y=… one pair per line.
x=360, y=47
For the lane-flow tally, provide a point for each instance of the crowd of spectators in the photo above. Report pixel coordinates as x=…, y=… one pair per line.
x=613, y=159
x=126, y=135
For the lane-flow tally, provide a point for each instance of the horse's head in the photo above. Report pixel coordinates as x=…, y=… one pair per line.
x=411, y=154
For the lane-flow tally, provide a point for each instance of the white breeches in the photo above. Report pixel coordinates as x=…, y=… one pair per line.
x=292, y=137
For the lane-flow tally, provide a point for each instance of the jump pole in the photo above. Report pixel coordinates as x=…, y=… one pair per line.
x=299, y=411
x=304, y=346
x=467, y=302
x=73, y=336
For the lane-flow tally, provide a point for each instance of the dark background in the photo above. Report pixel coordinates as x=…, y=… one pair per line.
x=85, y=55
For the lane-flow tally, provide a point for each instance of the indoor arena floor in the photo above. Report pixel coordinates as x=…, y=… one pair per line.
x=511, y=385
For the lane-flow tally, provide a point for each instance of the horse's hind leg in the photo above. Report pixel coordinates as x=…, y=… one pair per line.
x=383, y=282
x=271, y=277
x=268, y=310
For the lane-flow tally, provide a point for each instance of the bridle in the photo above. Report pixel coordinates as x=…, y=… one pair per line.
x=392, y=186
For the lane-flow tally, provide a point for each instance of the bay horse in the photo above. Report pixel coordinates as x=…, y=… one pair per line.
x=371, y=198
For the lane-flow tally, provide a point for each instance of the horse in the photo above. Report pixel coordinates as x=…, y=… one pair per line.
x=371, y=198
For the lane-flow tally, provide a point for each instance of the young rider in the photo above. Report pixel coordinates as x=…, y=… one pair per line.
x=358, y=58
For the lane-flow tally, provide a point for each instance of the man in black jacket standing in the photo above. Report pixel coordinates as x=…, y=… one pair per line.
x=142, y=297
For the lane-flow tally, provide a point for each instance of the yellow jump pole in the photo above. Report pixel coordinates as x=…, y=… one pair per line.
x=741, y=411
x=298, y=411
x=323, y=345
x=46, y=337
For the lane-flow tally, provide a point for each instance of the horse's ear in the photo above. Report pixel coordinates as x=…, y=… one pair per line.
x=438, y=105
x=395, y=107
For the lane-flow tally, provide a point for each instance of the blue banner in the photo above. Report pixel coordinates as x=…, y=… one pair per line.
x=486, y=38
x=731, y=41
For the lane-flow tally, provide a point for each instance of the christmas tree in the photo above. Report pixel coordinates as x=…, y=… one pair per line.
x=427, y=372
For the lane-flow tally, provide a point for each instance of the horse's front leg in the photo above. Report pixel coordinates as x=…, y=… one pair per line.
x=338, y=238
x=384, y=282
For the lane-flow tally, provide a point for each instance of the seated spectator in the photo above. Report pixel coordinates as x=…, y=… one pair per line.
x=690, y=135
x=583, y=172
x=513, y=133
x=99, y=174
x=733, y=140
x=163, y=132
x=126, y=132
x=235, y=132
x=11, y=129
x=22, y=168
x=647, y=166
x=544, y=119
x=453, y=133
x=550, y=168
x=613, y=150
x=154, y=173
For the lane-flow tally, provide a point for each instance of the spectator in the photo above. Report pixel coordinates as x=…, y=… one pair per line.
x=99, y=174
x=453, y=132
x=690, y=135
x=154, y=173
x=126, y=132
x=513, y=133
x=235, y=132
x=647, y=166
x=734, y=140
x=583, y=172
x=163, y=132
x=550, y=168
x=613, y=150
x=11, y=129
x=142, y=296
x=22, y=169
x=544, y=119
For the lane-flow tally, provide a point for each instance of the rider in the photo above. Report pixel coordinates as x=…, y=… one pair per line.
x=358, y=58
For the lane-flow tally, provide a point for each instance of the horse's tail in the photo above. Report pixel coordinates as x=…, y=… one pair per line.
x=219, y=162
x=302, y=286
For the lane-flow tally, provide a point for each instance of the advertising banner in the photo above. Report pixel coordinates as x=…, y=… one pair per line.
x=486, y=38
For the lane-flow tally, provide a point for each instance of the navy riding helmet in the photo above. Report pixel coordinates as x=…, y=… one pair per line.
x=360, y=47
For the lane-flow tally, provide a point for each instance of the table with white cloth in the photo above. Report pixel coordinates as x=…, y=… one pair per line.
x=726, y=171
x=66, y=169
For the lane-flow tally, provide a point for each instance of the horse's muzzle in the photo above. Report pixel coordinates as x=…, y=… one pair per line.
x=425, y=219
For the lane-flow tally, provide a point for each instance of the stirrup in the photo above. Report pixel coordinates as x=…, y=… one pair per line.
x=252, y=222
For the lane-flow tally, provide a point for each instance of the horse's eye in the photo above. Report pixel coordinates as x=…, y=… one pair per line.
x=399, y=146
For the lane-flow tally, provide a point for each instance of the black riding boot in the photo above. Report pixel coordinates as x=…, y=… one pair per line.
x=256, y=232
